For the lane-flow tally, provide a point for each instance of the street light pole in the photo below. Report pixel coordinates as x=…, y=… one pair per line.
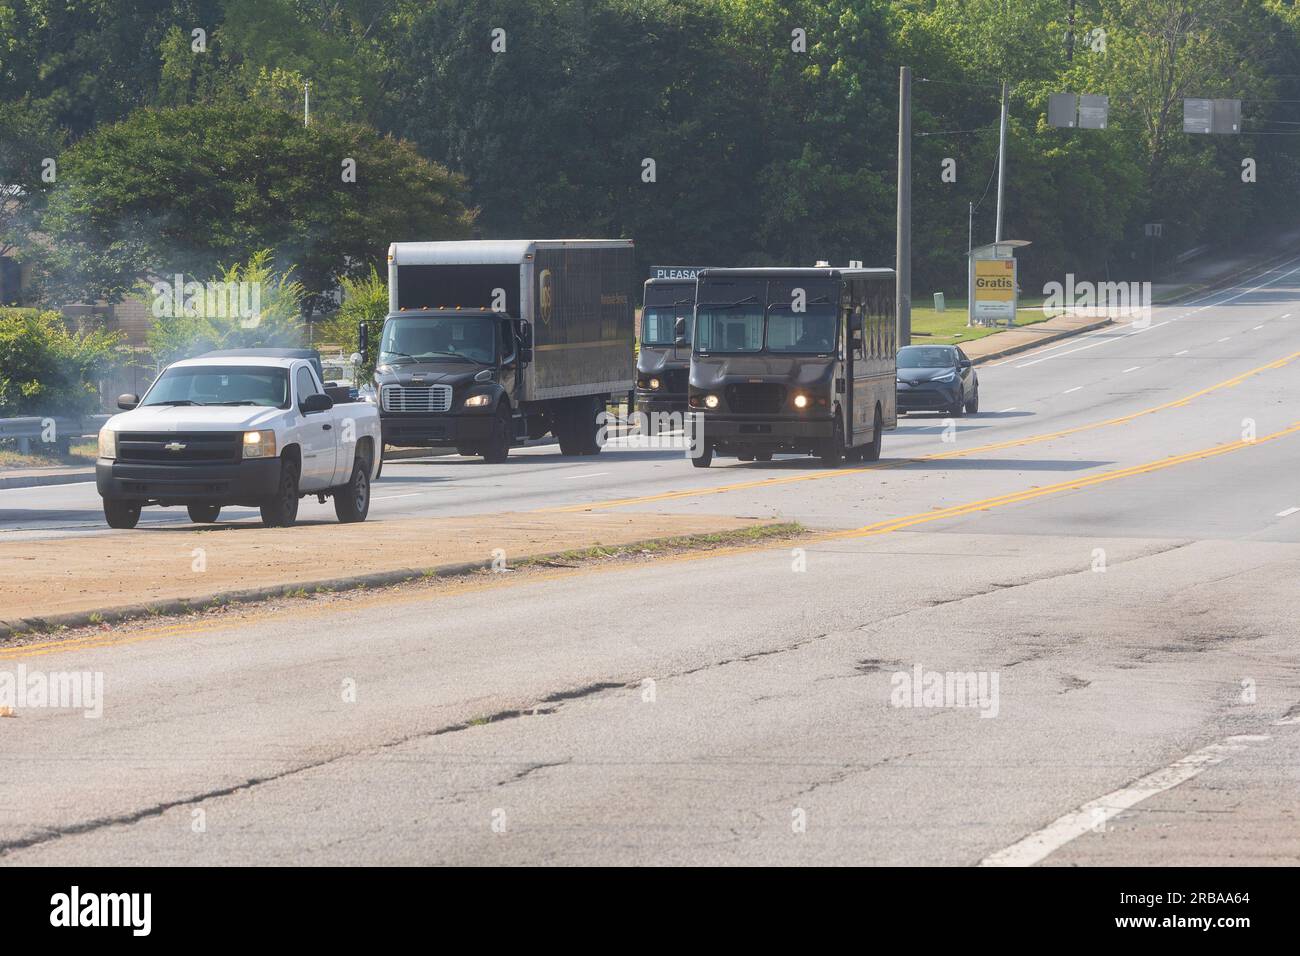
x=903, y=248
x=1002, y=161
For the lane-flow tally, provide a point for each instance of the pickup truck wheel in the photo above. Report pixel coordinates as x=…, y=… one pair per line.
x=497, y=449
x=121, y=514
x=352, y=501
x=281, y=509
x=203, y=514
x=704, y=458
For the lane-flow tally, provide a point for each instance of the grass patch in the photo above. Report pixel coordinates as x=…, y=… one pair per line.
x=685, y=542
x=949, y=326
x=81, y=453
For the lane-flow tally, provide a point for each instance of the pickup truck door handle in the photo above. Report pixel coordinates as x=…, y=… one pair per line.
x=327, y=427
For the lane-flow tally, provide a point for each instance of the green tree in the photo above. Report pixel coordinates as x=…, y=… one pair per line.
x=48, y=368
x=230, y=182
x=207, y=320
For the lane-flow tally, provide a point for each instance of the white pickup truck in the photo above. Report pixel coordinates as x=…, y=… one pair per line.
x=254, y=428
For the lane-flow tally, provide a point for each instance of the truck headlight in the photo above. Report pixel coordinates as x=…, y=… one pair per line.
x=654, y=384
x=801, y=401
x=478, y=401
x=107, y=443
x=710, y=401
x=259, y=444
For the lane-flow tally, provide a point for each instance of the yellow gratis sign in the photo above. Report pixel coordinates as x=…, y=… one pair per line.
x=995, y=290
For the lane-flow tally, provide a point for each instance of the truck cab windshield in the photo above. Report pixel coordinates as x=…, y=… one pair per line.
x=221, y=385
x=658, y=324
x=409, y=339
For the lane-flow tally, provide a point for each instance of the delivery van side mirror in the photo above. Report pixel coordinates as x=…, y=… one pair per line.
x=127, y=401
x=855, y=322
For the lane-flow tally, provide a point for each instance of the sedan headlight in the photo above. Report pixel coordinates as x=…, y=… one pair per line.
x=478, y=401
x=947, y=376
x=259, y=444
x=107, y=443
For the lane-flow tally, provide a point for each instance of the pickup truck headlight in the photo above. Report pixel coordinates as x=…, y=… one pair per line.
x=107, y=443
x=478, y=401
x=259, y=444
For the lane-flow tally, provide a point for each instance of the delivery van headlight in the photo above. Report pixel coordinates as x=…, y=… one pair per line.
x=259, y=444
x=654, y=384
x=710, y=401
x=478, y=401
x=801, y=401
x=107, y=443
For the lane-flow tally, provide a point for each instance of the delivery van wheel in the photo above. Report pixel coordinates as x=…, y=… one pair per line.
x=871, y=452
x=704, y=458
x=832, y=452
x=762, y=456
x=497, y=448
x=203, y=514
x=281, y=509
x=121, y=514
x=352, y=501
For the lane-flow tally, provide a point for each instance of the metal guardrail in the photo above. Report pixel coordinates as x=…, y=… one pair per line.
x=56, y=430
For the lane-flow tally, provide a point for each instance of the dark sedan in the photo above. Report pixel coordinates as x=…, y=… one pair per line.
x=936, y=378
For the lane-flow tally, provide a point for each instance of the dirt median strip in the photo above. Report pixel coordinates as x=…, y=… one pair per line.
x=76, y=581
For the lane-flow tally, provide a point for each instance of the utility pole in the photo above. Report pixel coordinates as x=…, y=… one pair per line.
x=970, y=271
x=1002, y=162
x=306, y=103
x=903, y=249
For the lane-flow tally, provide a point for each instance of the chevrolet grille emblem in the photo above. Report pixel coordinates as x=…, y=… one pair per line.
x=175, y=446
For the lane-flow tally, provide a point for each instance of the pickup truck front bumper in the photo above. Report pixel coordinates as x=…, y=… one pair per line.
x=434, y=431
x=245, y=482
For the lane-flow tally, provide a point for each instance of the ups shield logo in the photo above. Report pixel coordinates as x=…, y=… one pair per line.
x=546, y=295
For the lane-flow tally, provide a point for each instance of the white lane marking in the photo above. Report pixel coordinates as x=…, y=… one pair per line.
x=1286, y=315
x=1094, y=814
x=1257, y=328
x=1287, y=513
x=1005, y=410
x=388, y=497
x=1069, y=390
x=1183, y=352
x=593, y=474
x=1084, y=348
x=1287, y=721
x=1072, y=340
x=1224, y=339
x=1133, y=369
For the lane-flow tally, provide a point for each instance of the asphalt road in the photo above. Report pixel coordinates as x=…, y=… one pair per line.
x=1109, y=550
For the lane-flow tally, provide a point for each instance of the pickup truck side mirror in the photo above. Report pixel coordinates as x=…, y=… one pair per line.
x=127, y=401
x=363, y=340
x=317, y=403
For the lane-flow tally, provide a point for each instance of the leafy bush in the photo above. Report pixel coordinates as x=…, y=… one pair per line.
x=197, y=321
x=364, y=300
x=48, y=368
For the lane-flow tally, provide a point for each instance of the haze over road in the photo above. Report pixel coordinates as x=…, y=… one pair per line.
x=1118, y=567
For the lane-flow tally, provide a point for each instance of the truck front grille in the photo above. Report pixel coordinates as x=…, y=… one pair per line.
x=756, y=398
x=179, y=448
x=424, y=398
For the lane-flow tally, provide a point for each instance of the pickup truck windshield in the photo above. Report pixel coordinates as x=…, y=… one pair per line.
x=425, y=338
x=221, y=385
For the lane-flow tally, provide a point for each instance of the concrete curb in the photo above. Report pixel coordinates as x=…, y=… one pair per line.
x=129, y=612
x=37, y=481
x=1047, y=340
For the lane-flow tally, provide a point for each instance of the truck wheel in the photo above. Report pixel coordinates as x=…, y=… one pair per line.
x=121, y=514
x=497, y=449
x=704, y=458
x=281, y=509
x=203, y=514
x=871, y=452
x=466, y=451
x=762, y=456
x=352, y=501
x=576, y=428
x=832, y=453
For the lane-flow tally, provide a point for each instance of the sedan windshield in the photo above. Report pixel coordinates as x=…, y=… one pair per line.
x=927, y=356
x=221, y=385
x=423, y=338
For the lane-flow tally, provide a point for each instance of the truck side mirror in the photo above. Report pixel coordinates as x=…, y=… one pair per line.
x=525, y=343
x=127, y=401
x=855, y=322
x=679, y=331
